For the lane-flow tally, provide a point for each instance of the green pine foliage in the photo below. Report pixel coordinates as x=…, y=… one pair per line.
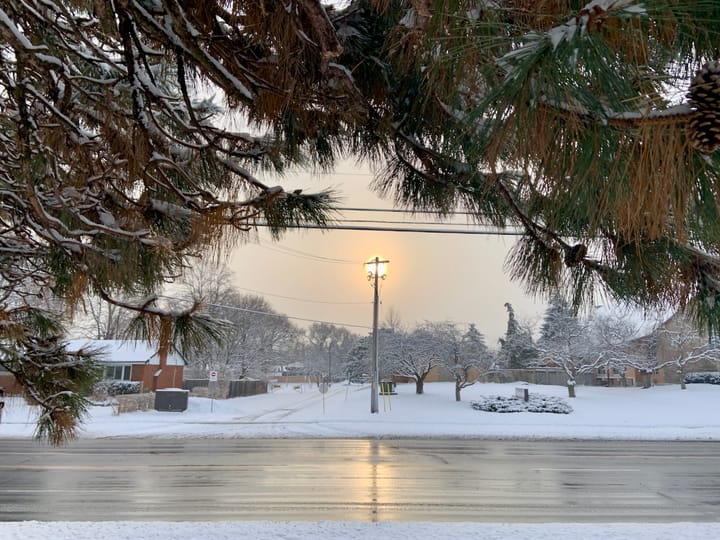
x=565, y=120
x=116, y=172
x=517, y=350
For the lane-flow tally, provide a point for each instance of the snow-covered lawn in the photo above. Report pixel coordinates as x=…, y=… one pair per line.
x=663, y=412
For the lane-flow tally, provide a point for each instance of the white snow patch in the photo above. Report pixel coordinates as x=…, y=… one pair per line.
x=657, y=413
x=346, y=530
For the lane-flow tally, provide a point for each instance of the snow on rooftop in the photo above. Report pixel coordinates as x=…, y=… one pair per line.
x=127, y=351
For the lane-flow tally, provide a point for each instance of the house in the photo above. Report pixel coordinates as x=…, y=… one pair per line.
x=673, y=348
x=677, y=338
x=8, y=383
x=289, y=373
x=135, y=360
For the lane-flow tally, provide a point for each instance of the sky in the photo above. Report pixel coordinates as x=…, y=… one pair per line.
x=320, y=275
x=660, y=413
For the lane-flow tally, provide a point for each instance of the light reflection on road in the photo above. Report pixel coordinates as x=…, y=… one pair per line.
x=366, y=480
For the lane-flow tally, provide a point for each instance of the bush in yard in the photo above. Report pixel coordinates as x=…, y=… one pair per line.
x=117, y=388
x=703, y=377
x=536, y=403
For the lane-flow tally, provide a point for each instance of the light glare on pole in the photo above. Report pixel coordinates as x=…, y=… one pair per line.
x=376, y=269
x=380, y=268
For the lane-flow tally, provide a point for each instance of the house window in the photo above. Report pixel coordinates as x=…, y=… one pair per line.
x=117, y=373
x=602, y=370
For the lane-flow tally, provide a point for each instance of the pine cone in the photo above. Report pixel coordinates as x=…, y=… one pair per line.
x=704, y=96
x=704, y=130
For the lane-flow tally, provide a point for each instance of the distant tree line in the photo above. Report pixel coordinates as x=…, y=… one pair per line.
x=256, y=341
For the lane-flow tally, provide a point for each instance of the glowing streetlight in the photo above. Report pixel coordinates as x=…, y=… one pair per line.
x=376, y=269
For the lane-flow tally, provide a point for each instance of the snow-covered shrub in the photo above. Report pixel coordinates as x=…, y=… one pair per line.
x=536, y=403
x=117, y=388
x=703, y=377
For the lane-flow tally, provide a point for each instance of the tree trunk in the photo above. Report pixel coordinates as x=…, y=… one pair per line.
x=457, y=392
x=571, y=390
x=419, y=383
x=647, y=379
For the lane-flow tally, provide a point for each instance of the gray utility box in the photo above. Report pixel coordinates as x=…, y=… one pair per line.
x=174, y=400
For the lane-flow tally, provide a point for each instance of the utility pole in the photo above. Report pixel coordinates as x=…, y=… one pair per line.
x=374, y=273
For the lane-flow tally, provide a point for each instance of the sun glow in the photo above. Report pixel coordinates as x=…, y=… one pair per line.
x=376, y=264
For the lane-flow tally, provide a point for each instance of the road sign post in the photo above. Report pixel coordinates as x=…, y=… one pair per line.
x=212, y=385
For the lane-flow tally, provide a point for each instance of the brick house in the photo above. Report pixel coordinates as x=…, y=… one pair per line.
x=123, y=360
x=670, y=346
x=8, y=383
x=135, y=360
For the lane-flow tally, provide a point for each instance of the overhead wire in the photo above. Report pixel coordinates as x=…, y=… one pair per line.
x=343, y=225
x=386, y=225
x=299, y=299
x=269, y=314
x=305, y=255
x=393, y=222
x=400, y=229
x=399, y=211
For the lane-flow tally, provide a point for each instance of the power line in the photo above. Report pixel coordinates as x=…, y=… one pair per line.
x=401, y=211
x=269, y=314
x=304, y=255
x=392, y=222
x=300, y=299
x=498, y=232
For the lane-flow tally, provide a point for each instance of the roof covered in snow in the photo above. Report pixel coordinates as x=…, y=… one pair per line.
x=124, y=351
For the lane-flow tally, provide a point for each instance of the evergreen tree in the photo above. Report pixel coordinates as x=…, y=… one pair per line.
x=559, y=320
x=473, y=344
x=114, y=175
x=357, y=365
x=591, y=127
x=517, y=350
x=564, y=342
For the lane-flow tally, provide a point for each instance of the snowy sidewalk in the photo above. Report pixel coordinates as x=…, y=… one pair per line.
x=263, y=530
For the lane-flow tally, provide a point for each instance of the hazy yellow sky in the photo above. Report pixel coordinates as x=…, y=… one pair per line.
x=434, y=277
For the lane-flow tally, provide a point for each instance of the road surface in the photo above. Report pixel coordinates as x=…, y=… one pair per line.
x=367, y=480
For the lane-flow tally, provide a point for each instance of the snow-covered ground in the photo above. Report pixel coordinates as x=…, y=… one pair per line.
x=659, y=413
x=325, y=530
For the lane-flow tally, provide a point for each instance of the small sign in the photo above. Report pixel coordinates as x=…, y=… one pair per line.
x=213, y=376
x=522, y=393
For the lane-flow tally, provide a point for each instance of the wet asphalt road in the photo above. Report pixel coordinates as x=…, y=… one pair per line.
x=368, y=480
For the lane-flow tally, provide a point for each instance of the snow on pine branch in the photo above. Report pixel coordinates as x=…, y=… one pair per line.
x=590, y=18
